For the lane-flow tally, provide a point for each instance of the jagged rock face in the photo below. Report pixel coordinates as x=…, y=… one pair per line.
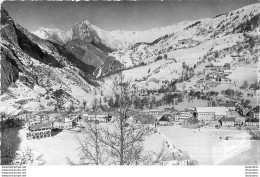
x=94, y=54
x=85, y=32
x=25, y=57
x=7, y=28
x=83, y=66
x=82, y=41
x=86, y=52
x=87, y=45
x=12, y=69
x=9, y=67
x=9, y=72
x=89, y=48
x=33, y=69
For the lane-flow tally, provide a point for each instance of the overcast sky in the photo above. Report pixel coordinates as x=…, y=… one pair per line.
x=115, y=15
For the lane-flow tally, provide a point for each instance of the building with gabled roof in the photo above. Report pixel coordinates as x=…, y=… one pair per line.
x=183, y=158
x=40, y=130
x=252, y=122
x=62, y=123
x=228, y=122
x=239, y=120
x=164, y=119
x=211, y=113
x=254, y=113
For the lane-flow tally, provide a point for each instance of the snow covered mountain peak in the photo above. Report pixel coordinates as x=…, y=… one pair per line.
x=116, y=39
x=54, y=34
x=122, y=39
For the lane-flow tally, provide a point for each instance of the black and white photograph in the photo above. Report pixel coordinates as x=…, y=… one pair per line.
x=132, y=83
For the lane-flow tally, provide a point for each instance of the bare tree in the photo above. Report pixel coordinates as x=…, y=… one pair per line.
x=90, y=147
x=92, y=151
x=124, y=140
x=124, y=143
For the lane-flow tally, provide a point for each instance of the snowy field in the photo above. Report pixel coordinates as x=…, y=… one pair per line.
x=200, y=146
x=241, y=74
x=56, y=149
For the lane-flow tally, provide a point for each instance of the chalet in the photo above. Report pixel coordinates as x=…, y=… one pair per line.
x=39, y=131
x=164, y=119
x=239, y=120
x=62, y=123
x=228, y=122
x=184, y=115
x=252, y=122
x=22, y=116
x=253, y=113
x=102, y=118
x=183, y=158
x=35, y=117
x=98, y=115
x=154, y=112
x=209, y=67
x=145, y=112
x=222, y=78
x=211, y=113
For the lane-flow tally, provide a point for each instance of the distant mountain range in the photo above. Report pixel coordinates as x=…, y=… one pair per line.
x=35, y=66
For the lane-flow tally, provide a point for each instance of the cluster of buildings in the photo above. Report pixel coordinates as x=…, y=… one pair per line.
x=178, y=158
x=39, y=127
x=100, y=116
x=214, y=75
x=225, y=115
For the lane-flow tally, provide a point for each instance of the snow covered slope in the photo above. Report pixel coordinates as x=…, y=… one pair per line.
x=186, y=35
x=183, y=53
x=117, y=39
x=37, y=74
x=55, y=35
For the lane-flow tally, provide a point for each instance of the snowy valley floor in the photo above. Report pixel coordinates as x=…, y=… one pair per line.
x=199, y=145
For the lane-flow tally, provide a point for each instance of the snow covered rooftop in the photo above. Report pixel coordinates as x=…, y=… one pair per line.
x=63, y=120
x=183, y=156
x=216, y=110
x=40, y=126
